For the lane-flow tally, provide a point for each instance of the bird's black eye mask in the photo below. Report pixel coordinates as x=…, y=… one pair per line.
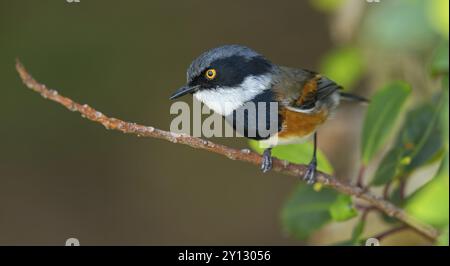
x=231, y=71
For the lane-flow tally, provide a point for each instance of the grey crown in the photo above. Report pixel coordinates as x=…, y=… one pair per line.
x=205, y=59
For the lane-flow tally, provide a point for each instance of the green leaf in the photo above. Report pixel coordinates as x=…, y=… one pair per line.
x=381, y=117
x=430, y=203
x=395, y=197
x=420, y=137
x=344, y=65
x=387, y=169
x=357, y=232
x=419, y=142
x=307, y=211
x=439, y=64
x=342, y=209
x=297, y=153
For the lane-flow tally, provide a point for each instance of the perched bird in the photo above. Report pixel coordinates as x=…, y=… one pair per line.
x=229, y=77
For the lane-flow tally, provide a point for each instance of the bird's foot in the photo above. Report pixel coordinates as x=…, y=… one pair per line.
x=266, y=163
x=310, y=175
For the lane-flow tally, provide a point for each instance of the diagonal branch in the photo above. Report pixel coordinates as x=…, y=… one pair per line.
x=234, y=154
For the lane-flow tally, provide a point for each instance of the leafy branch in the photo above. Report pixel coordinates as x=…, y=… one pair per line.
x=235, y=154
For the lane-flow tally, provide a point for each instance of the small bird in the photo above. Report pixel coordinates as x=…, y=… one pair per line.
x=226, y=78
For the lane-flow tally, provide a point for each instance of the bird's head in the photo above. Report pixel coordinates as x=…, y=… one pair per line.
x=226, y=77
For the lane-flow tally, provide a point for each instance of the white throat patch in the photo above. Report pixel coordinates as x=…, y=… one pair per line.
x=224, y=100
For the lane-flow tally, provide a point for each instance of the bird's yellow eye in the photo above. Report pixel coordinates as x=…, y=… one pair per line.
x=210, y=73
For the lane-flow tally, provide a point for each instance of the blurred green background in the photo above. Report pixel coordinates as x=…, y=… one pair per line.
x=62, y=176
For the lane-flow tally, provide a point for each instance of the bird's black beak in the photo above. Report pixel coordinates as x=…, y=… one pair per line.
x=183, y=91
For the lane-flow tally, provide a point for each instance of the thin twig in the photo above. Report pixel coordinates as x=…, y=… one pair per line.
x=360, y=178
x=402, y=188
x=386, y=190
x=234, y=154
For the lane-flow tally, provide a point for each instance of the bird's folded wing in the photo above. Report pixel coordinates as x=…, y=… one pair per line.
x=301, y=90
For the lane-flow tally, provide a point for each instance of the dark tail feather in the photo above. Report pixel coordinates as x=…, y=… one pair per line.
x=354, y=98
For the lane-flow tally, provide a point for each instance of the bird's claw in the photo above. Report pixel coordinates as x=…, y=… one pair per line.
x=310, y=175
x=266, y=163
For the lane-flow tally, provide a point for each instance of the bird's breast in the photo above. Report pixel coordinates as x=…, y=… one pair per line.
x=296, y=127
x=300, y=124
